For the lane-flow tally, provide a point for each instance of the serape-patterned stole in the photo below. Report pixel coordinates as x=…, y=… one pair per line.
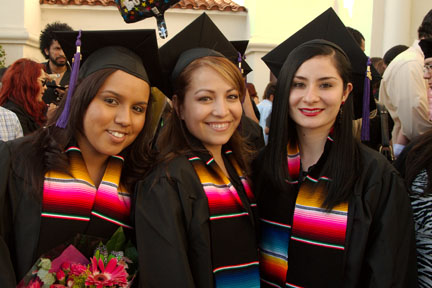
x=233, y=239
x=309, y=250
x=77, y=199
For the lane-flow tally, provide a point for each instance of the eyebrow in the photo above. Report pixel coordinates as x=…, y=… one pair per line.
x=212, y=91
x=121, y=96
x=322, y=78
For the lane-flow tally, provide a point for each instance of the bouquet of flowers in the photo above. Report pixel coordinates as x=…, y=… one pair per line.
x=112, y=265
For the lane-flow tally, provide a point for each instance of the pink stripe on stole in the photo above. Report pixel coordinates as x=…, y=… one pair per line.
x=222, y=200
x=248, y=190
x=74, y=195
x=107, y=196
x=320, y=226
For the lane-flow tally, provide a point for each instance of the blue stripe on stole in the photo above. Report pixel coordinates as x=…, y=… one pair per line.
x=275, y=239
x=238, y=277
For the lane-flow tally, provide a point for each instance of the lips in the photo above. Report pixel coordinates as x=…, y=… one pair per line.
x=310, y=112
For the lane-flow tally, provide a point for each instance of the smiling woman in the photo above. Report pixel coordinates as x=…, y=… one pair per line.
x=78, y=180
x=198, y=197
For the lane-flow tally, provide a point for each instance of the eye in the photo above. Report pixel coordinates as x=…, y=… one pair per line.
x=297, y=84
x=111, y=101
x=204, y=99
x=139, y=109
x=326, y=85
x=233, y=97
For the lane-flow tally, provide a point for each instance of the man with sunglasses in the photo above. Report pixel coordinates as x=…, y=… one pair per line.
x=404, y=91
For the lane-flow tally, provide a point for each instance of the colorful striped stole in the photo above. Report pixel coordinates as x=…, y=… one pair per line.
x=308, y=249
x=233, y=239
x=77, y=199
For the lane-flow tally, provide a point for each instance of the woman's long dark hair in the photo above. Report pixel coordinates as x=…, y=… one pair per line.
x=175, y=139
x=419, y=158
x=342, y=163
x=47, y=145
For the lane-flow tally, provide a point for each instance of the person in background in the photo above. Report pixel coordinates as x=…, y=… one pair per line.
x=403, y=91
x=10, y=127
x=414, y=164
x=56, y=66
x=358, y=37
x=195, y=213
x=392, y=53
x=77, y=175
x=23, y=86
x=265, y=107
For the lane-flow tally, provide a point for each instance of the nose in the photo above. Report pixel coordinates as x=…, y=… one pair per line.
x=123, y=116
x=220, y=107
x=311, y=95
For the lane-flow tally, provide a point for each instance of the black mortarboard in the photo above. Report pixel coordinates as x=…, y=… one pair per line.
x=201, y=33
x=241, y=46
x=132, y=51
x=329, y=27
x=426, y=46
x=112, y=49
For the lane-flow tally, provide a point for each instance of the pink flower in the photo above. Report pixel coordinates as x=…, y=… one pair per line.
x=77, y=269
x=111, y=275
x=35, y=283
x=60, y=275
x=57, y=286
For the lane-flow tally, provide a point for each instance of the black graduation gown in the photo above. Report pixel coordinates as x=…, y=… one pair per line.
x=380, y=241
x=172, y=228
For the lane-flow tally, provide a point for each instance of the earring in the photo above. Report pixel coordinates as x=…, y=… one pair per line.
x=339, y=116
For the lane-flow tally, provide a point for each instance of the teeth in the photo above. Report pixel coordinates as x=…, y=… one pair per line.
x=311, y=111
x=219, y=125
x=116, y=134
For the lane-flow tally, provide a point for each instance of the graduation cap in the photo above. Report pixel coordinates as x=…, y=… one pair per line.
x=203, y=36
x=241, y=46
x=426, y=46
x=329, y=27
x=132, y=51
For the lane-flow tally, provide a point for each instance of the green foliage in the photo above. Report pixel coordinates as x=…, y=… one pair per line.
x=2, y=57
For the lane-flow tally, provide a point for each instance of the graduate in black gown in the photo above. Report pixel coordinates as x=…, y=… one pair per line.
x=195, y=213
x=77, y=174
x=333, y=212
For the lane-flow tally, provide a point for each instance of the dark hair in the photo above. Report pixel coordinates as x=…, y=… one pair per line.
x=378, y=63
x=419, y=158
x=342, y=163
x=357, y=35
x=20, y=85
x=48, y=144
x=175, y=139
x=393, y=52
x=251, y=89
x=2, y=72
x=269, y=90
x=47, y=36
x=425, y=29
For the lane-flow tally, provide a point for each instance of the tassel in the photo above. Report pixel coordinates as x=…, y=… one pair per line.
x=365, y=131
x=64, y=117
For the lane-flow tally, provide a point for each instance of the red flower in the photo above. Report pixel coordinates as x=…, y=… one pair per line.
x=77, y=269
x=60, y=275
x=35, y=283
x=57, y=286
x=111, y=275
x=65, y=265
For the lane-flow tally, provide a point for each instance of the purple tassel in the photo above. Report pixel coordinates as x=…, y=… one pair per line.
x=365, y=133
x=64, y=117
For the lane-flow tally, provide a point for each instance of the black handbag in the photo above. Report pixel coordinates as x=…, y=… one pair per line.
x=385, y=147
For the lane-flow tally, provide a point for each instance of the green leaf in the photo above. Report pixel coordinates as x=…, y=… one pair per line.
x=117, y=241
